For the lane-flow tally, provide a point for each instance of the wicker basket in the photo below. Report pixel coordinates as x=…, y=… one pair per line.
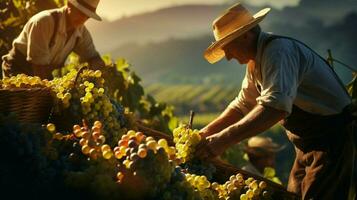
x=31, y=105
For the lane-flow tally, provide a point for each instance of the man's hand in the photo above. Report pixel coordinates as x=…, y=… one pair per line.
x=256, y=121
x=211, y=147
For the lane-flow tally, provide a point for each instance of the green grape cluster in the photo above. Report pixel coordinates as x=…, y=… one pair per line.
x=92, y=103
x=22, y=81
x=202, y=185
x=244, y=189
x=185, y=142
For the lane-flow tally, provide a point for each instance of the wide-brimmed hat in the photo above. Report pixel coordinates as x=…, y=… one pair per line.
x=88, y=7
x=259, y=145
x=233, y=23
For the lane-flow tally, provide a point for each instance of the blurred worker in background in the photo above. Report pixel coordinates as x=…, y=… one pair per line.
x=285, y=81
x=261, y=152
x=49, y=37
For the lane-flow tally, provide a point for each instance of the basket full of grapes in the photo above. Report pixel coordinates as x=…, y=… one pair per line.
x=27, y=97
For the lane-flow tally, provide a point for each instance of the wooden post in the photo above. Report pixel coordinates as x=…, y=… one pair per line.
x=192, y=114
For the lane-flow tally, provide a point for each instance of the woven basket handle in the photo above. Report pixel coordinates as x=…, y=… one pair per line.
x=79, y=73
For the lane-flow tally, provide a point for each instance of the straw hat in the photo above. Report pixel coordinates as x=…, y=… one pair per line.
x=262, y=145
x=233, y=23
x=88, y=7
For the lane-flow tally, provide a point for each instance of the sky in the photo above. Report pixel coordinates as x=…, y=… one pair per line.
x=114, y=9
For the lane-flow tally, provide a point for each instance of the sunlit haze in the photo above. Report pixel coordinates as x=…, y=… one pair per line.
x=113, y=9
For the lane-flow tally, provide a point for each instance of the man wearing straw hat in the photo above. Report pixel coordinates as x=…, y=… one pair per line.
x=285, y=81
x=261, y=152
x=49, y=37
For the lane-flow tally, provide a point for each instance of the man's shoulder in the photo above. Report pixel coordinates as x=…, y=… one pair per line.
x=277, y=43
x=45, y=16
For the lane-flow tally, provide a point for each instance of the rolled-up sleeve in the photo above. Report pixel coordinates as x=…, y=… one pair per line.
x=279, y=71
x=85, y=47
x=39, y=32
x=246, y=99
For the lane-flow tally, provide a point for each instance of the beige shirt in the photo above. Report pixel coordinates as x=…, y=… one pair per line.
x=34, y=40
x=290, y=74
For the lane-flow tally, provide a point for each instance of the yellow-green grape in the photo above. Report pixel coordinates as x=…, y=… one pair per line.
x=152, y=145
x=239, y=177
x=98, y=124
x=123, y=143
x=262, y=184
x=83, y=141
x=171, y=151
x=107, y=154
x=122, y=150
x=149, y=139
x=162, y=143
x=58, y=136
x=105, y=148
x=139, y=136
x=96, y=135
x=215, y=185
x=254, y=184
x=77, y=131
x=250, y=193
x=243, y=197
x=131, y=133
x=93, y=153
x=126, y=163
x=248, y=181
x=85, y=149
x=118, y=154
x=76, y=127
x=51, y=127
x=101, y=139
x=142, y=153
x=256, y=191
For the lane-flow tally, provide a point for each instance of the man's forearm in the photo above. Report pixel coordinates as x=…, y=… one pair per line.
x=256, y=121
x=227, y=118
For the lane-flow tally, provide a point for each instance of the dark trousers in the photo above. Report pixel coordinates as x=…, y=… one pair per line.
x=325, y=172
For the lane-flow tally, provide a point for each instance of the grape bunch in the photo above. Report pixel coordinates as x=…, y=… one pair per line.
x=185, y=142
x=244, y=189
x=22, y=81
x=202, y=185
x=30, y=163
x=138, y=151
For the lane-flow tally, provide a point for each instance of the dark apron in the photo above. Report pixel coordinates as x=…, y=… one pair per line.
x=15, y=62
x=323, y=166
